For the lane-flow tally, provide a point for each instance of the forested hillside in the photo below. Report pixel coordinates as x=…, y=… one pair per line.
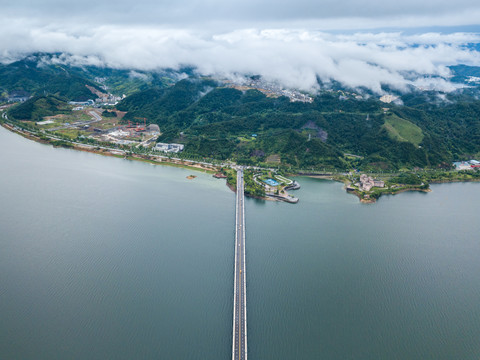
x=36, y=108
x=50, y=74
x=216, y=121
x=27, y=76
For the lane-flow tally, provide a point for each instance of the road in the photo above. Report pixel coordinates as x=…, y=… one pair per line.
x=95, y=115
x=95, y=118
x=239, y=347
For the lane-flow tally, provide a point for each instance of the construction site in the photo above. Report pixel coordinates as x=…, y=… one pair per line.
x=102, y=126
x=135, y=134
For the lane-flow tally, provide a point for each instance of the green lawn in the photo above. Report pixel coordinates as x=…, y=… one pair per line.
x=71, y=133
x=403, y=130
x=245, y=139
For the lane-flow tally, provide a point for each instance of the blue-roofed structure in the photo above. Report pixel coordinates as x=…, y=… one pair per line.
x=271, y=182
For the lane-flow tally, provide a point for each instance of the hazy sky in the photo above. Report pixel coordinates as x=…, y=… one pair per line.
x=359, y=43
x=227, y=15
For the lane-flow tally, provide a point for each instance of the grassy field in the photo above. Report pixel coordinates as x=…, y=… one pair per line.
x=71, y=133
x=403, y=130
x=245, y=138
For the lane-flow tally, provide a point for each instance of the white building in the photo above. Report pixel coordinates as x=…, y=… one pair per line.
x=171, y=148
x=367, y=183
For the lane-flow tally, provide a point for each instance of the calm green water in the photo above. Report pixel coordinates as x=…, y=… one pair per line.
x=102, y=258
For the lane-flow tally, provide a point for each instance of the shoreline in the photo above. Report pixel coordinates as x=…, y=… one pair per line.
x=121, y=155
x=364, y=200
x=212, y=169
x=117, y=153
x=391, y=193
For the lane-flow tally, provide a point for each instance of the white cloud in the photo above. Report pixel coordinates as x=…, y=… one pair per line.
x=294, y=58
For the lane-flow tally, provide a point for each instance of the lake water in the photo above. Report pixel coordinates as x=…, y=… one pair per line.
x=104, y=258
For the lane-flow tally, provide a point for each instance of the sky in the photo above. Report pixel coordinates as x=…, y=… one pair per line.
x=362, y=43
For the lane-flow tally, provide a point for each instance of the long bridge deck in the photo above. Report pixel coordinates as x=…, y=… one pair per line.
x=239, y=347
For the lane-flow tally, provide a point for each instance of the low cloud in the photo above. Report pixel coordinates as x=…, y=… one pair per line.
x=136, y=75
x=293, y=58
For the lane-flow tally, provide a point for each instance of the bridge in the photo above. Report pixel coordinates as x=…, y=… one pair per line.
x=239, y=347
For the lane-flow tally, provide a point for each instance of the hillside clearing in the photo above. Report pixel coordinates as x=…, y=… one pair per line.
x=403, y=130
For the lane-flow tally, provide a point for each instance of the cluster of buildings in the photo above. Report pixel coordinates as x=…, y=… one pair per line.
x=89, y=102
x=345, y=95
x=101, y=81
x=387, y=99
x=102, y=100
x=269, y=88
x=295, y=96
x=18, y=96
x=106, y=100
x=467, y=165
x=367, y=183
x=109, y=99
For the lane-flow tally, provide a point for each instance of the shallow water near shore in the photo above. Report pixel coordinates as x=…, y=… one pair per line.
x=108, y=258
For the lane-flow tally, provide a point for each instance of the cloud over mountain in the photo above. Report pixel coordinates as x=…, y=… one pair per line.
x=295, y=58
x=278, y=39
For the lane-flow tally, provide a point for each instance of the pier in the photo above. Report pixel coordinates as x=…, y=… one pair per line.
x=239, y=346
